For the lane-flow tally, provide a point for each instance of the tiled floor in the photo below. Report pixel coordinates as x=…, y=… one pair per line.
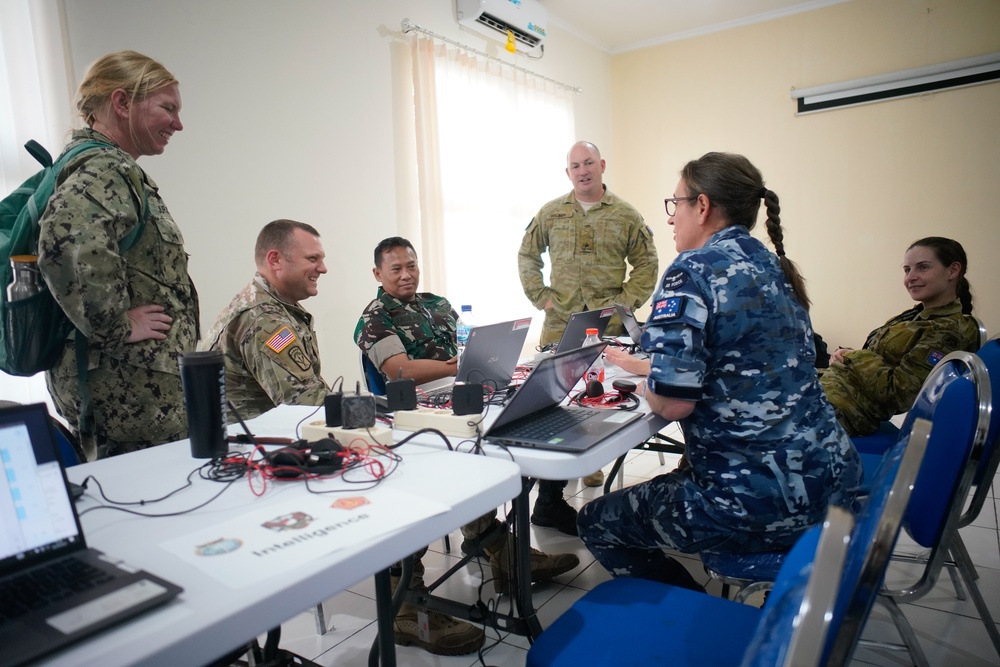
x=949, y=630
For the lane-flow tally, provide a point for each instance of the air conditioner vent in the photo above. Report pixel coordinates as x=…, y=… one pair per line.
x=525, y=38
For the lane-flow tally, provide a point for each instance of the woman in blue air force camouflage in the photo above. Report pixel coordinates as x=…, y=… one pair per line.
x=731, y=350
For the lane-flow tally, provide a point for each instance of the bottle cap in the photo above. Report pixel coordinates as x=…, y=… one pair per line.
x=590, y=332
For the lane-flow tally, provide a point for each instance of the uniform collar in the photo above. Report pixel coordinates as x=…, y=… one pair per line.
x=951, y=308
x=608, y=198
x=261, y=282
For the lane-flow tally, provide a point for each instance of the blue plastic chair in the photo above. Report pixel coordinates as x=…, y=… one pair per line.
x=638, y=622
x=948, y=497
x=628, y=613
x=373, y=377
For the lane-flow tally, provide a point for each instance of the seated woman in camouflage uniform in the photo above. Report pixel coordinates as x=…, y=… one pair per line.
x=731, y=358
x=870, y=385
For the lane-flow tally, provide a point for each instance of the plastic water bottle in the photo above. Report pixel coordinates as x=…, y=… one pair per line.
x=596, y=370
x=463, y=327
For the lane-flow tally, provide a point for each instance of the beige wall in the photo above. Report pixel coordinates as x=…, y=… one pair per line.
x=857, y=185
x=298, y=109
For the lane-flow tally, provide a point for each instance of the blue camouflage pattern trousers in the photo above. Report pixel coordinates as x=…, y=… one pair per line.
x=628, y=530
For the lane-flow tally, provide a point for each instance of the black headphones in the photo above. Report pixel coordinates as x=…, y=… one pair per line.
x=594, y=396
x=322, y=457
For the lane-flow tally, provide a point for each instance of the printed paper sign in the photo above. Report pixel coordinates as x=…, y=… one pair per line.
x=277, y=537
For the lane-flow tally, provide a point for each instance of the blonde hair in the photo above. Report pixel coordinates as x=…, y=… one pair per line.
x=136, y=74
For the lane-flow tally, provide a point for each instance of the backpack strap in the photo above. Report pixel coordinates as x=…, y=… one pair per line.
x=132, y=236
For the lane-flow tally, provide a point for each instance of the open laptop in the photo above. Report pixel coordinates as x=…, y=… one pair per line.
x=631, y=324
x=40, y=534
x=490, y=356
x=576, y=328
x=535, y=418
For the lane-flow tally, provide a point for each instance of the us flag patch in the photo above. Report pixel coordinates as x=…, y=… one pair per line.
x=281, y=340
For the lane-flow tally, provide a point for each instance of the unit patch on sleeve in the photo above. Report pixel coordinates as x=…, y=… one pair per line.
x=674, y=279
x=282, y=339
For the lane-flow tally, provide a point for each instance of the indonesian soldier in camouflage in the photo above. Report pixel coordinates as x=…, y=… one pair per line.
x=423, y=328
x=589, y=234
x=883, y=379
x=266, y=337
x=135, y=389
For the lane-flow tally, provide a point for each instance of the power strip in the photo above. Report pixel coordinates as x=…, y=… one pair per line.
x=348, y=437
x=446, y=421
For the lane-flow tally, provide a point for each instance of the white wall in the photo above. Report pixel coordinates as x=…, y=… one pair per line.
x=296, y=109
x=856, y=185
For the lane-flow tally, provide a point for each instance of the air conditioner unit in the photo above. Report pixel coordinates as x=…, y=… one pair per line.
x=525, y=18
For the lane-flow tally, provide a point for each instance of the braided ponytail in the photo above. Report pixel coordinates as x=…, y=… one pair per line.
x=777, y=236
x=735, y=186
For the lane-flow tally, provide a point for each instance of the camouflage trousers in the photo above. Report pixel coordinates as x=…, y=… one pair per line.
x=133, y=408
x=628, y=530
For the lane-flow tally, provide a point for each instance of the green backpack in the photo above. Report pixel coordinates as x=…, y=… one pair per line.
x=34, y=329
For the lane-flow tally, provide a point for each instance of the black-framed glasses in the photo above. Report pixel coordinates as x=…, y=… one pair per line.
x=670, y=203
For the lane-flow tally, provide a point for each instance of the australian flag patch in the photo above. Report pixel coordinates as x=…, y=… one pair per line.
x=935, y=357
x=668, y=309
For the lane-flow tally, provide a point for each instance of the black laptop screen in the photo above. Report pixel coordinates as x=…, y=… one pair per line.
x=549, y=383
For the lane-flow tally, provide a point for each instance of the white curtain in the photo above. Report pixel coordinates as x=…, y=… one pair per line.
x=35, y=96
x=491, y=149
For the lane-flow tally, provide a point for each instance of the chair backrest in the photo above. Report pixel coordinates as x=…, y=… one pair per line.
x=873, y=538
x=983, y=479
x=795, y=624
x=983, y=333
x=959, y=406
x=373, y=377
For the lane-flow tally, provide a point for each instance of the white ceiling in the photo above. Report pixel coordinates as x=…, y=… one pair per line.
x=623, y=25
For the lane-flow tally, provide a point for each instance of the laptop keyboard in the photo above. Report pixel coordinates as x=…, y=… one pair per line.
x=545, y=425
x=47, y=584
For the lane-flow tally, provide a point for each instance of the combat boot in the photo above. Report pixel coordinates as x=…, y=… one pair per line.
x=444, y=636
x=543, y=566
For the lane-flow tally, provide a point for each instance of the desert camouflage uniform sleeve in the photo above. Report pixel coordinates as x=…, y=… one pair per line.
x=529, y=263
x=642, y=257
x=283, y=357
x=892, y=375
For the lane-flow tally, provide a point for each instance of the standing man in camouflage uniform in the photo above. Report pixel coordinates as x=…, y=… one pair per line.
x=731, y=353
x=138, y=309
x=267, y=338
x=589, y=234
x=411, y=334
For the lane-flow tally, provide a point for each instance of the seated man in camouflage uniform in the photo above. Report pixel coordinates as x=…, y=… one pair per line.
x=411, y=334
x=267, y=338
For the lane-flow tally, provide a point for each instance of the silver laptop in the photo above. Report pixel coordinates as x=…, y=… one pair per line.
x=632, y=327
x=41, y=541
x=535, y=418
x=490, y=357
x=576, y=328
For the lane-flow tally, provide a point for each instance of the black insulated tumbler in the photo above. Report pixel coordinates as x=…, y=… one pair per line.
x=203, y=378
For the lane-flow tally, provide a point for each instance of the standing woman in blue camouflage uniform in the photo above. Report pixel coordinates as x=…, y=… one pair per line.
x=731, y=351
x=138, y=308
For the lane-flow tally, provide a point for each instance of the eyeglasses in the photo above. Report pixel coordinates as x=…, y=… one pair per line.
x=670, y=203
